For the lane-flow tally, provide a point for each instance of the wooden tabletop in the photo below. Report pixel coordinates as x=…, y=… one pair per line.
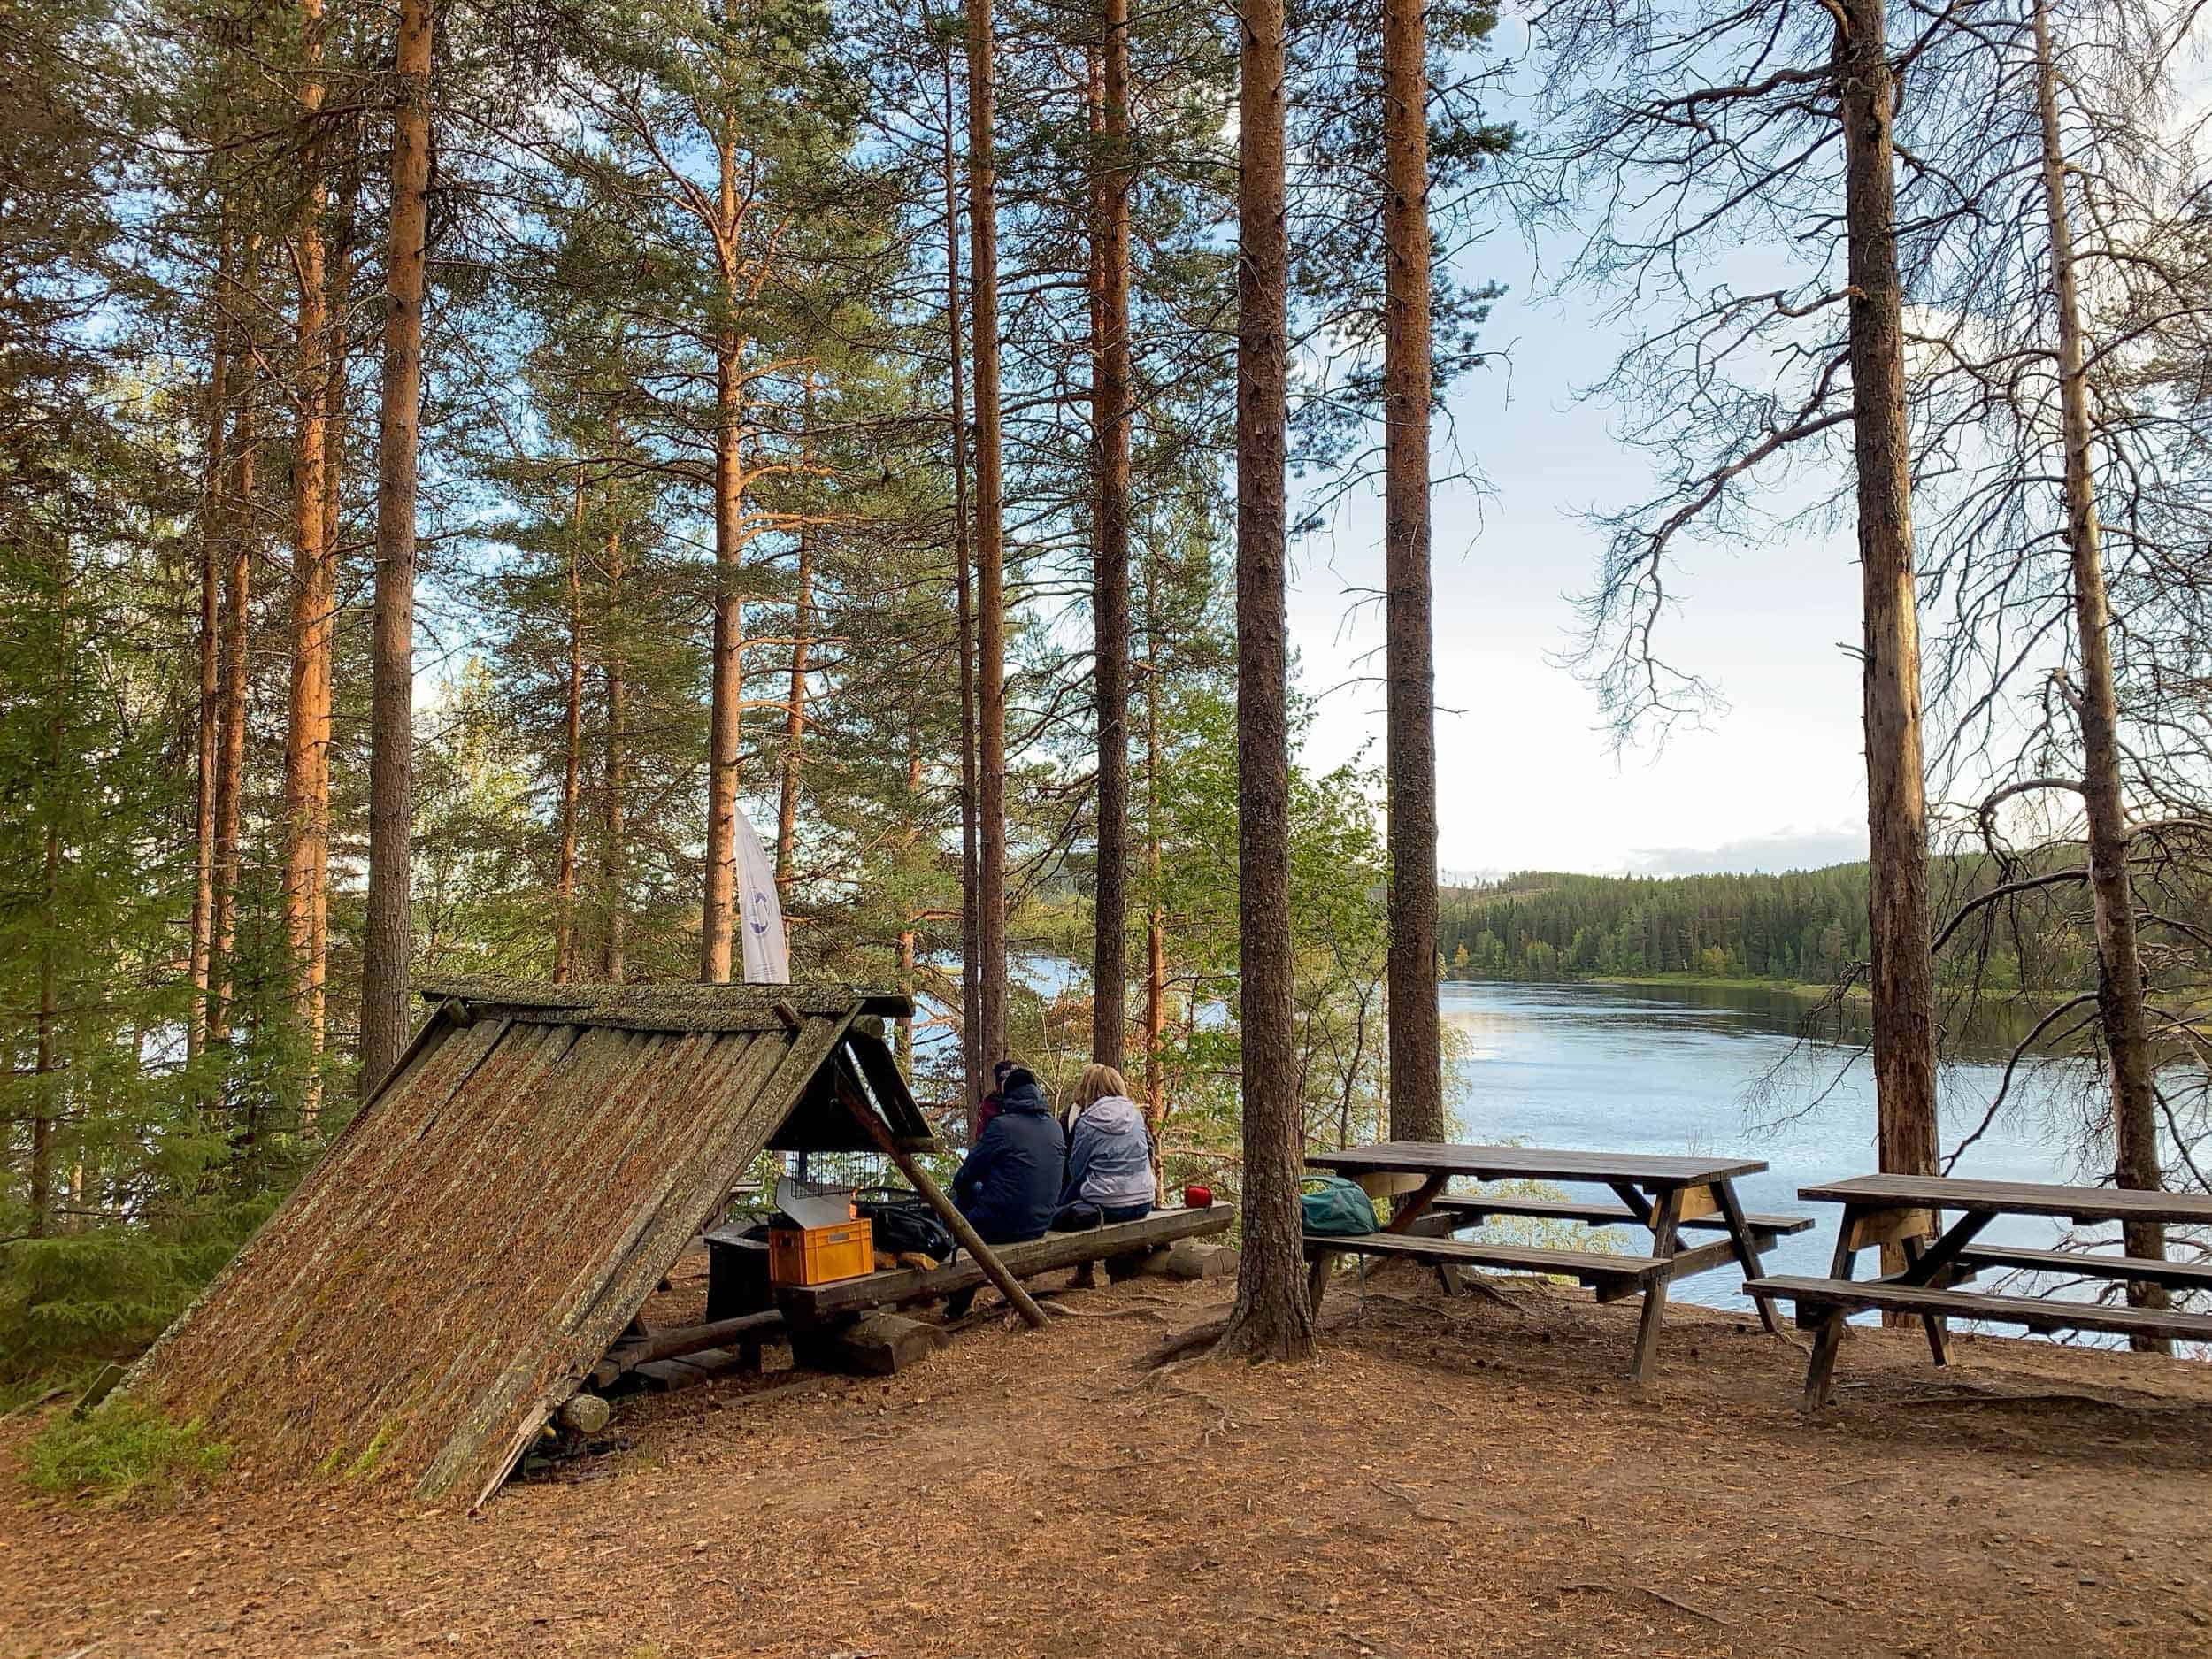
x=1536, y=1163
x=2021, y=1198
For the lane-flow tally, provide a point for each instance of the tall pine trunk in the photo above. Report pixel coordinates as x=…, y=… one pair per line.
x=1109, y=596
x=1272, y=1319
x=725, y=730
x=2120, y=984
x=572, y=752
x=233, y=669
x=794, y=719
x=971, y=1055
x=315, y=585
x=794, y=707
x=990, y=544
x=1156, y=918
x=208, y=723
x=1416, y=1075
x=614, y=855
x=389, y=942
x=1897, y=814
x=45, y=1062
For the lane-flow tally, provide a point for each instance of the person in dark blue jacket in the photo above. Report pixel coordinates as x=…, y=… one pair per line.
x=1008, y=1187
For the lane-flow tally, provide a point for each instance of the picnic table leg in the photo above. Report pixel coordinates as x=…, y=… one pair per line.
x=1827, y=1323
x=1746, y=1249
x=1409, y=1211
x=1827, y=1337
x=1939, y=1347
x=1318, y=1280
x=1663, y=1217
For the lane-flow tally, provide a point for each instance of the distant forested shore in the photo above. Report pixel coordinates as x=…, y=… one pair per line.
x=1801, y=927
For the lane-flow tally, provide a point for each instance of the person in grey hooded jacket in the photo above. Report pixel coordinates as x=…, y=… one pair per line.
x=1110, y=1156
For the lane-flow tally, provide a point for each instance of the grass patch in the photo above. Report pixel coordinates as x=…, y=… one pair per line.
x=120, y=1450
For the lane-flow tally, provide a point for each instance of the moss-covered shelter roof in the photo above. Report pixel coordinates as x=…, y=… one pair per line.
x=473, y=1241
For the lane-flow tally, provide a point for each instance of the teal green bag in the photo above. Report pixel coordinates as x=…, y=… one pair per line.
x=1335, y=1208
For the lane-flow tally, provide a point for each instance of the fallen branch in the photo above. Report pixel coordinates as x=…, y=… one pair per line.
x=1657, y=1595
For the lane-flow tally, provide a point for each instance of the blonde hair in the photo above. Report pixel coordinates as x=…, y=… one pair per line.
x=1098, y=1082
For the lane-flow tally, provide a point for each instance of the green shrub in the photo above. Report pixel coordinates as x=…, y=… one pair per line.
x=120, y=1449
x=67, y=1303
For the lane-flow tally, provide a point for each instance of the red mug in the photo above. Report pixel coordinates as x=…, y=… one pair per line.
x=1198, y=1197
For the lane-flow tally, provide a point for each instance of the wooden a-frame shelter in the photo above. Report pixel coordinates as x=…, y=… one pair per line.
x=475, y=1239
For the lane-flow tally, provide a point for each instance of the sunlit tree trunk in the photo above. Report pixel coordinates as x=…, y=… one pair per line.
x=990, y=546
x=795, y=711
x=315, y=584
x=1417, y=1080
x=1156, y=923
x=726, y=717
x=2120, y=982
x=391, y=929
x=1897, y=816
x=1109, y=596
x=614, y=857
x=208, y=723
x=572, y=753
x=1272, y=1319
x=230, y=773
x=971, y=1055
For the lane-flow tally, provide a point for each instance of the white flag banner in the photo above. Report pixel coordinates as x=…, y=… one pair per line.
x=759, y=911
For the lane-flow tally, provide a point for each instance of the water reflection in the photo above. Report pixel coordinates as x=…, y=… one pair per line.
x=1713, y=1069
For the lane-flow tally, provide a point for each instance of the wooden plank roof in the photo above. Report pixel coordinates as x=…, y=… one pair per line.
x=489, y=1223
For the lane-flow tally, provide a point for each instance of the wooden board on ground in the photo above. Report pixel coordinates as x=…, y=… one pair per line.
x=908, y=1286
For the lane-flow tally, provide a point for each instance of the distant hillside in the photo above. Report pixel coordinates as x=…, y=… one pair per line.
x=1804, y=927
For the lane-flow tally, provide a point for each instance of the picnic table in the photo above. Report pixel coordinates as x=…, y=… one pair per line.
x=1941, y=1261
x=1662, y=1195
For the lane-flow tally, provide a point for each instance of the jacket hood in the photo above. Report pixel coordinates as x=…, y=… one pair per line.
x=1025, y=1097
x=1112, y=1115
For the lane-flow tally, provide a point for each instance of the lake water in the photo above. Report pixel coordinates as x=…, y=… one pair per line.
x=1694, y=1069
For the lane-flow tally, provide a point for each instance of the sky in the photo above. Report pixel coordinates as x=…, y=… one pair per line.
x=1527, y=775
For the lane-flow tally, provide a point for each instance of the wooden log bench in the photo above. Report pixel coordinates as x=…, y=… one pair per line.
x=1116, y=1241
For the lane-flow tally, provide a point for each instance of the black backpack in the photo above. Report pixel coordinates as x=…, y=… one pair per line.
x=903, y=1223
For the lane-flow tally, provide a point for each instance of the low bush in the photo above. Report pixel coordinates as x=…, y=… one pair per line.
x=121, y=1450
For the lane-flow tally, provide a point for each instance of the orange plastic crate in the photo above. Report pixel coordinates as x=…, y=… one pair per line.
x=815, y=1256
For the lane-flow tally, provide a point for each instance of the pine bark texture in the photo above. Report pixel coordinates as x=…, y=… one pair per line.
x=1109, y=597
x=1416, y=1076
x=1272, y=1319
x=209, y=722
x=1897, y=816
x=389, y=937
x=614, y=856
x=572, y=754
x=230, y=770
x=990, y=544
x=314, y=583
x=972, y=1056
x=719, y=911
x=795, y=715
x=2121, y=995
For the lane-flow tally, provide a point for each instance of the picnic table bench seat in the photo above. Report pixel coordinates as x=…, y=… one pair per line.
x=1471, y=1209
x=1611, y=1275
x=2079, y=1264
x=2034, y=1313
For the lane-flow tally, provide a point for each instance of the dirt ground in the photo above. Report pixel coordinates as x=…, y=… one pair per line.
x=1452, y=1477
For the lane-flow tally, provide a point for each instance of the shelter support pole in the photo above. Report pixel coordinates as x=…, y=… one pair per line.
x=949, y=1214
